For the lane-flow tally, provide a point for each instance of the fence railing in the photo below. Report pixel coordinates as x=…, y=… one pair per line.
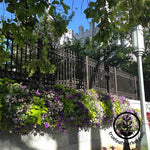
x=72, y=71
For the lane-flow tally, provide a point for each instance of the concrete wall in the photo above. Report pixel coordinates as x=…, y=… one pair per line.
x=74, y=139
x=93, y=139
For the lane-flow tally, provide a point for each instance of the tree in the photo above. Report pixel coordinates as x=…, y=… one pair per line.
x=131, y=66
x=27, y=14
x=4, y=53
x=38, y=24
x=117, y=15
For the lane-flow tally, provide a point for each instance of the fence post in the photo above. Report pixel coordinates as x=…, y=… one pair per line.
x=116, y=87
x=87, y=73
x=107, y=76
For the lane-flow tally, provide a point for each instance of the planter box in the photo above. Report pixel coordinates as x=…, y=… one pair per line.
x=74, y=139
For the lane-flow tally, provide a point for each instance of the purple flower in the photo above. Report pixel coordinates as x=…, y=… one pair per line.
x=45, y=115
x=23, y=87
x=30, y=94
x=22, y=126
x=78, y=95
x=123, y=102
x=106, y=97
x=85, y=110
x=70, y=95
x=113, y=100
x=64, y=132
x=52, y=123
x=118, y=122
x=46, y=125
x=37, y=93
x=80, y=104
x=62, y=113
x=17, y=129
x=72, y=118
x=60, y=128
x=128, y=110
x=98, y=123
x=56, y=98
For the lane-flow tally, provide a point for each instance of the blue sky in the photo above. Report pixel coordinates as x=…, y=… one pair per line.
x=78, y=6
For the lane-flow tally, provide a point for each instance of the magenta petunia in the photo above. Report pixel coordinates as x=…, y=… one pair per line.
x=98, y=123
x=37, y=93
x=56, y=98
x=23, y=87
x=46, y=125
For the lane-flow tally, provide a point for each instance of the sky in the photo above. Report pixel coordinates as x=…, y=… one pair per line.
x=78, y=6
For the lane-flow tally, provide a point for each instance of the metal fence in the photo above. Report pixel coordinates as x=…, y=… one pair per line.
x=72, y=71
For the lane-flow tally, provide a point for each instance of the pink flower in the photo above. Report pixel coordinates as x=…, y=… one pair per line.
x=23, y=87
x=46, y=125
x=37, y=93
x=98, y=123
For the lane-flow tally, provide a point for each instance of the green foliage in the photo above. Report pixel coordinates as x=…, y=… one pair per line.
x=24, y=107
x=4, y=54
x=27, y=14
x=47, y=33
x=132, y=67
x=3, y=87
x=44, y=66
x=35, y=21
x=3, y=92
x=117, y=108
x=112, y=55
x=37, y=109
x=116, y=15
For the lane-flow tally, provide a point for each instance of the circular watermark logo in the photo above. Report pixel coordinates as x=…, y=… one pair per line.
x=126, y=125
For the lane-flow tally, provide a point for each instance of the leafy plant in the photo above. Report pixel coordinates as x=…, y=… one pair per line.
x=4, y=52
x=58, y=107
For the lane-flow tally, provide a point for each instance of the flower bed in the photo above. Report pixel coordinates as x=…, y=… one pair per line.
x=58, y=107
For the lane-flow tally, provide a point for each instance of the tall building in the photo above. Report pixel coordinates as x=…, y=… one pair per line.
x=67, y=37
x=82, y=35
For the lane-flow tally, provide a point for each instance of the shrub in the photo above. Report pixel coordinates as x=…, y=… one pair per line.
x=58, y=107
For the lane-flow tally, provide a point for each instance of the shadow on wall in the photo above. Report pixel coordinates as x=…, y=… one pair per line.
x=9, y=141
x=95, y=139
x=51, y=140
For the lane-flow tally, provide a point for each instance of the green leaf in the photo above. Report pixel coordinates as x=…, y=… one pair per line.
x=51, y=10
x=55, y=2
x=143, y=2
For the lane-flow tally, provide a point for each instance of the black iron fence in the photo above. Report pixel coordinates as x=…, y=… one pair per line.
x=72, y=71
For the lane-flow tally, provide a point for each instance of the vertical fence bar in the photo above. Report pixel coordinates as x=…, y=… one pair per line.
x=70, y=61
x=87, y=73
x=26, y=47
x=11, y=61
x=16, y=65
x=74, y=70
x=21, y=61
x=6, y=65
x=115, y=74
